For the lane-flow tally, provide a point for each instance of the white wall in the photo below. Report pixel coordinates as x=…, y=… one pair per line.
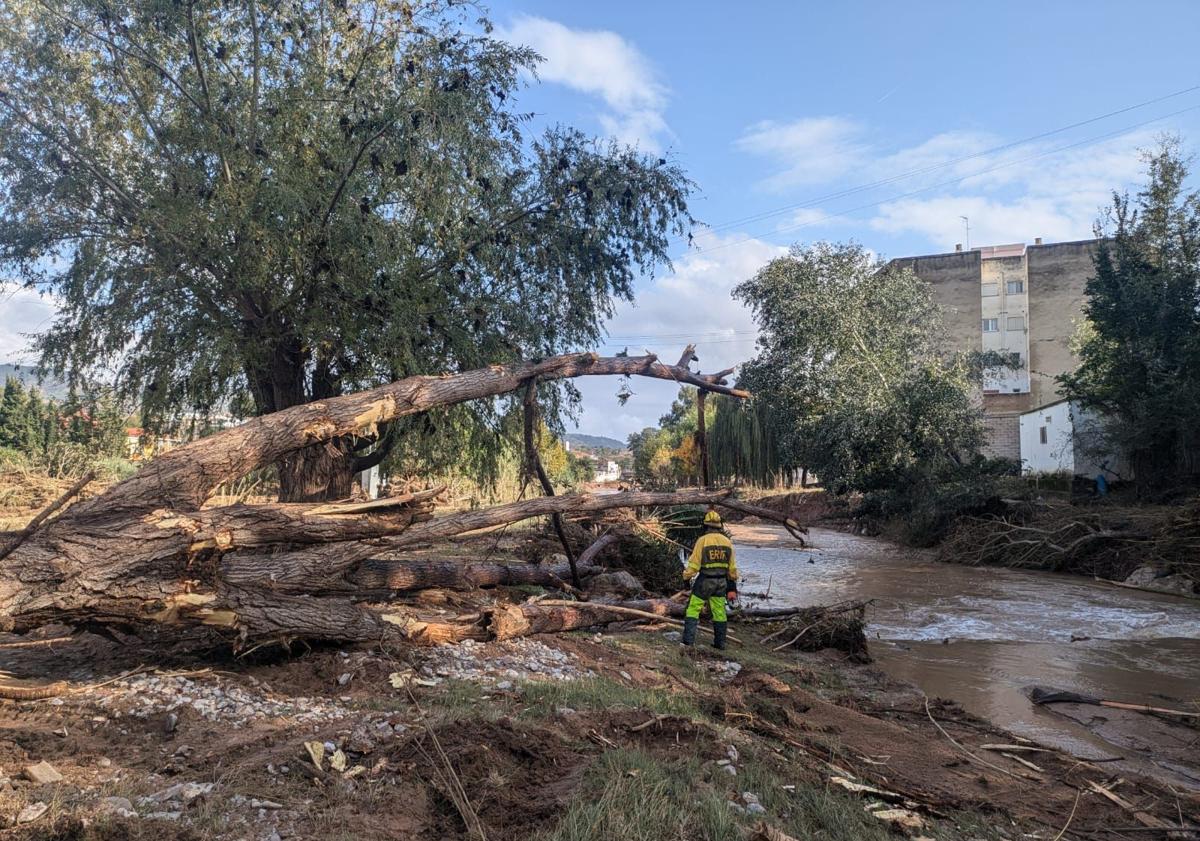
x=1058, y=452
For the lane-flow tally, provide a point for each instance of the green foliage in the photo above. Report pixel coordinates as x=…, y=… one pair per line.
x=666, y=456
x=743, y=441
x=260, y=204
x=852, y=355
x=1139, y=351
x=65, y=440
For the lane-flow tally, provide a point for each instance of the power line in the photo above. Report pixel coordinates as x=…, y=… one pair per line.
x=934, y=167
x=951, y=181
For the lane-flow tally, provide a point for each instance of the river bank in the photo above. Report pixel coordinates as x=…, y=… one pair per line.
x=984, y=635
x=586, y=735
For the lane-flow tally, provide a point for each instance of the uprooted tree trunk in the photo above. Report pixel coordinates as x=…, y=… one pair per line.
x=147, y=551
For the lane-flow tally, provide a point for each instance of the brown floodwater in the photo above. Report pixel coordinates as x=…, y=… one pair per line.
x=982, y=636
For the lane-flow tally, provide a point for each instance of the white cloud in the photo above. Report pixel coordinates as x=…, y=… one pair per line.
x=1032, y=191
x=22, y=311
x=601, y=64
x=810, y=150
x=692, y=304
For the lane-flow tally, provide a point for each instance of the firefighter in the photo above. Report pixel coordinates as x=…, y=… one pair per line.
x=716, y=575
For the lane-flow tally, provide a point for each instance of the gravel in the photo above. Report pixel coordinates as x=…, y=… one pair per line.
x=499, y=663
x=213, y=698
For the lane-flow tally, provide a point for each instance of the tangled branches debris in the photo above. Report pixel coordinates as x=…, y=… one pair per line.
x=1107, y=542
x=838, y=626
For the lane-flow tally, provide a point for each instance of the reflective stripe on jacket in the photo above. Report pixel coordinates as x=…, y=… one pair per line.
x=712, y=555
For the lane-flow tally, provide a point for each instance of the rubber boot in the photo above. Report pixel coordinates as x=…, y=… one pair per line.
x=720, y=630
x=689, y=631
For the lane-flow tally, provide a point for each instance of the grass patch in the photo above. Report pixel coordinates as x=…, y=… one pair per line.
x=632, y=794
x=629, y=794
x=599, y=693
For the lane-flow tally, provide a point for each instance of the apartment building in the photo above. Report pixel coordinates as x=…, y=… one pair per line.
x=1017, y=299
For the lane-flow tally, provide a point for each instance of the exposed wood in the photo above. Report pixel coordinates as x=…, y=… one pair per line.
x=34, y=524
x=588, y=555
x=654, y=609
x=185, y=477
x=794, y=528
x=1144, y=818
x=1016, y=748
x=1156, y=590
x=1040, y=695
x=147, y=551
x=977, y=759
x=383, y=502
x=1022, y=761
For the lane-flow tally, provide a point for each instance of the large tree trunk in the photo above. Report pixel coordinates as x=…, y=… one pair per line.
x=148, y=551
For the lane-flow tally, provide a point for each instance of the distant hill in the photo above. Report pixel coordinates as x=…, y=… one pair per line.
x=594, y=442
x=24, y=373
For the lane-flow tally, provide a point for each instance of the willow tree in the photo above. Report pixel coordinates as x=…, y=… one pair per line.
x=254, y=205
x=852, y=360
x=743, y=440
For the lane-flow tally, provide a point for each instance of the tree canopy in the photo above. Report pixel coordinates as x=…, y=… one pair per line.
x=258, y=204
x=1139, y=351
x=854, y=372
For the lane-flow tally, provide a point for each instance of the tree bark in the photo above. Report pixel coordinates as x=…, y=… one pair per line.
x=146, y=551
x=702, y=439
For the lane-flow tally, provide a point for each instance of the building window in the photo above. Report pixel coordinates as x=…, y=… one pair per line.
x=991, y=325
x=1042, y=434
x=1016, y=322
x=1016, y=287
x=991, y=290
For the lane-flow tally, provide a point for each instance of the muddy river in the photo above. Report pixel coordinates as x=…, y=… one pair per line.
x=983, y=636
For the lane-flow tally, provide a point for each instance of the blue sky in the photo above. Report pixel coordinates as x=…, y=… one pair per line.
x=776, y=108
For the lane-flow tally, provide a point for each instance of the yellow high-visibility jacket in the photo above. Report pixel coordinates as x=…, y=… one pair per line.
x=713, y=553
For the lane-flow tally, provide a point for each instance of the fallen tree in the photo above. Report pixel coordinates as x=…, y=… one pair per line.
x=838, y=626
x=148, y=551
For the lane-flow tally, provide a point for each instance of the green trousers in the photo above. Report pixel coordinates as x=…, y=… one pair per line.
x=716, y=604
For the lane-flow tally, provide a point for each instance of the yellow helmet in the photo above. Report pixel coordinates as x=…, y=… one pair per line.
x=713, y=519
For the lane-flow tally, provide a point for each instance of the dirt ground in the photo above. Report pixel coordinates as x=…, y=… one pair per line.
x=520, y=739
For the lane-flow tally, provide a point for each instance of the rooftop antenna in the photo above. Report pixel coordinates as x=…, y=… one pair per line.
x=967, y=223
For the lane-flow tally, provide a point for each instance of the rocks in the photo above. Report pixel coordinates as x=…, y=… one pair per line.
x=673, y=636
x=43, y=773
x=503, y=662
x=181, y=794
x=214, y=699
x=753, y=807
x=619, y=583
x=1155, y=578
x=164, y=816
x=119, y=806
x=723, y=671
x=32, y=812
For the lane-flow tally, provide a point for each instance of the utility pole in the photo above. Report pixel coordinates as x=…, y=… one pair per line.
x=967, y=223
